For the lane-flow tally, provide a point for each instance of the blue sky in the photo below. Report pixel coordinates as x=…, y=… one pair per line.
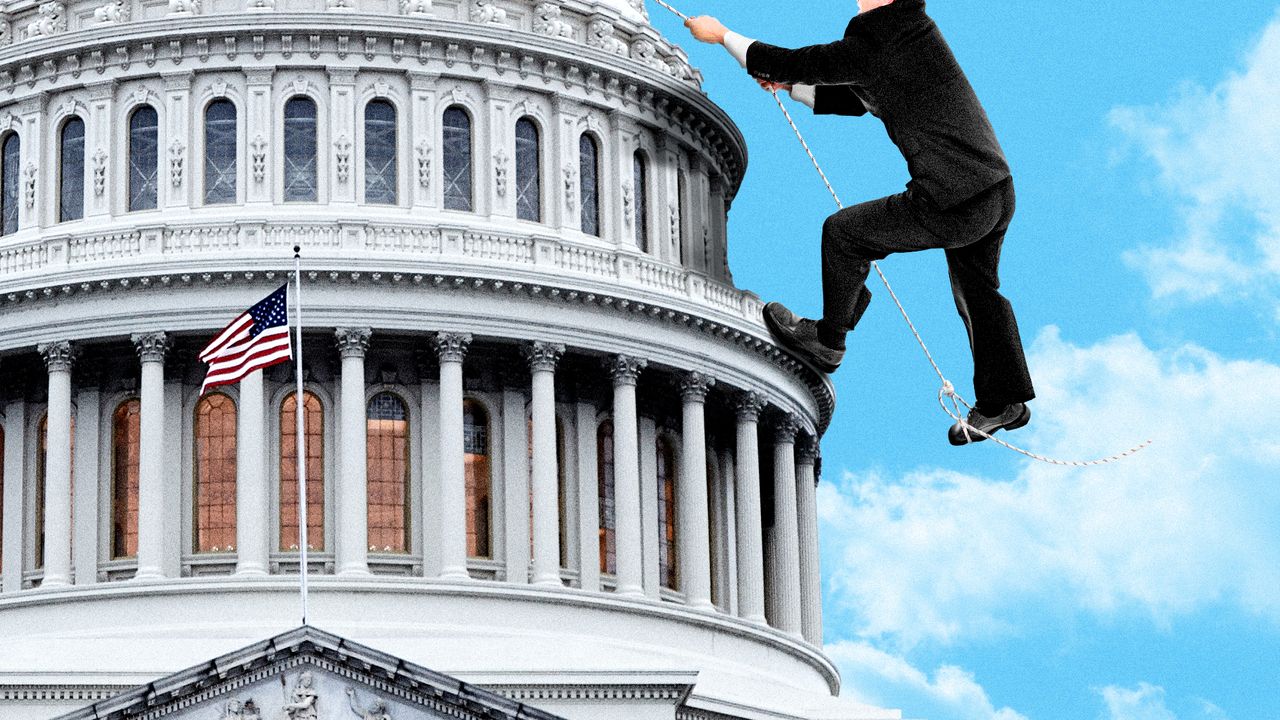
x=1145, y=266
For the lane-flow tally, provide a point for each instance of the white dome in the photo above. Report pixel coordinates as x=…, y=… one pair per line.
x=633, y=10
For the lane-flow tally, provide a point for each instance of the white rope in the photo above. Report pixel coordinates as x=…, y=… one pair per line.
x=948, y=390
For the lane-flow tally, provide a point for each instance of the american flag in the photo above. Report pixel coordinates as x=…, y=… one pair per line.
x=257, y=339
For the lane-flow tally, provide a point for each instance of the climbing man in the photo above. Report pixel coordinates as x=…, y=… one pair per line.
x=894, y=63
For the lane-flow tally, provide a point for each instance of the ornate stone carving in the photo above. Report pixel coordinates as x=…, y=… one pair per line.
x=186, y=7
x=342, y=157
x=424, y=164
x=262, y=5
x=543, y=356
x=785, y=428
x=600, y=35
x=177, y=157
x=415, y=7
x=259, y=158
x=151, y=347
x=547, y=21
x=807, y=450
x=99, y=172
x=674, y=211
x=6, y=31
x=353, y=342
x=452, y=347
x=625, y=369
x=112, y=13
x=501, y=163
x=236, y=710
x=628, y=204
x=29, y=182
x=571, y=189
x=51, y=19
x=58, y=356
x=748, y=405
x=695, y=386
x=302, y=702
x=338, y=4
x=638, y=6
x=376, y=711
x=485, y=11
x=645, y=52
x=678, y=68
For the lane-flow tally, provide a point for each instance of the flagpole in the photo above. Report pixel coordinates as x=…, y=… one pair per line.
x=299, y=408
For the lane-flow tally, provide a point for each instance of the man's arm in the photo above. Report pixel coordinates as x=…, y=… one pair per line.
x=842, y=62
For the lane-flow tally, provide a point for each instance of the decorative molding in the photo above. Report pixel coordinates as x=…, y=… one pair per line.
x=415, y=7
x=177, y=155
x=342, y=157
x=259, y=158
x=543, y=356
x=695, y=386
x=99, y=172
x=785, y=429
x=186, y=7
x=547, y=20
x=571, y=189
x=151, y=347
x=629, y=204
x=625, y=369
x=29, y=180
x=424, y=164
x=808, y=450
x=748, y=405
x=353, y=342
x=600, y=34
x=58, y=356
x=452, y=346
x=487, y=11
x=51, y=19
x=112, y=13
x=501, y=163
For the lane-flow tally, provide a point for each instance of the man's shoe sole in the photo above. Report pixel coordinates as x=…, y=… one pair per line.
x=1018, y=422
x=825, y=367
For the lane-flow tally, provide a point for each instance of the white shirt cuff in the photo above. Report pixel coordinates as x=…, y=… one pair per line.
x=737, y=46
x=805, y=95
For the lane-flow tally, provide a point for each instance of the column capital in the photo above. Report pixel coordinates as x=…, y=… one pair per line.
x=748, y=404
x=625, y=370
x=452, y=347
x=543, y=356
x=353, y=342
x=785, y=428
x=60, y=355
x=152, y=347
x=695, y=386
x=808, y=450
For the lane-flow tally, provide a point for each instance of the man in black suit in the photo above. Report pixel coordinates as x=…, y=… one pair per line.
x=894, y=63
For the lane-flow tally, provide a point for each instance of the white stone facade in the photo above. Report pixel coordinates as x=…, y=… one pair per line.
x=553, y=303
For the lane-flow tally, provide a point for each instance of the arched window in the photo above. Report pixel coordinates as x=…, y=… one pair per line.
x=608, y=516
x=640, y=179
x=667, y=561
x=144, y=158
x=528, y=171
x=479, y=479
x=589, y=179
x=10, y=159
x=214, y=518
x=380, y=153
x=387, y=442
x=220, y=153
x=457, y=159
x=301, y=173
x=313, y=424
x=71, y=171
x=125, y=440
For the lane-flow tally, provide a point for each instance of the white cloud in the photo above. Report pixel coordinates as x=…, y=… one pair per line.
x=943, y=555
x=1148, y=702
x=880, y=678
x=1218, y=151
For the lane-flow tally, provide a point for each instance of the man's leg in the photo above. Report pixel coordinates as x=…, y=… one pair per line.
x=1000, y=375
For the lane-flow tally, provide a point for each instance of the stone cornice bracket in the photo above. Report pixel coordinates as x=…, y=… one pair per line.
x=695, y=386
x=353, y=342
x=785, y=428
x=58, y=356
x=625, y=370
x=749, y=405
x=152, y=347
x=543, y=356
x=452, y=347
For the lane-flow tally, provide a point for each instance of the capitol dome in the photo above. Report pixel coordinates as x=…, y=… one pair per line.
x=552, y=451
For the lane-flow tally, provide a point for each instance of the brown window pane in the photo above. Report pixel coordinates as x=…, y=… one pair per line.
x=41, y=456
x=313, y=419
x=387, y=438
x=125, y=440
x=479, y=479
x=608, y=518
x=667, y=566
x=215, y=491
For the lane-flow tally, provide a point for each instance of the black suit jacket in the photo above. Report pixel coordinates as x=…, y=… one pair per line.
x=894, y=62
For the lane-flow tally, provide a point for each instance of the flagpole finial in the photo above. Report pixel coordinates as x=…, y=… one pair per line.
x=297, y=251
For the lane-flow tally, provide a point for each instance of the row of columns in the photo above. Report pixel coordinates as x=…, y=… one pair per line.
x=794, y=562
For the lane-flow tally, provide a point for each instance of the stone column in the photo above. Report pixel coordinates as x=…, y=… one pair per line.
x=58, y=358
x=729, y=479
x=428, y=375
x=543, y=358
x=13, y=523
x=810, y=573
x=253, y=494
x=85, y=504
x=587, y=514
x=750, y=538
x=353, y=491
x=625, y=371
x=452, y=349
x=151, y=348
x=691, y=495
x=786, y=527
x=513, y=504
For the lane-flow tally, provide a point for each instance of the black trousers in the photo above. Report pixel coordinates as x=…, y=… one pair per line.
x=971, y=233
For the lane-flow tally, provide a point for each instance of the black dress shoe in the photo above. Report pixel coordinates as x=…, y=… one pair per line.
x=1011, y=418
x=801, y=337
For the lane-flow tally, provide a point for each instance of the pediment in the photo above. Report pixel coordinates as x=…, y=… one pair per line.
x=308, y=674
